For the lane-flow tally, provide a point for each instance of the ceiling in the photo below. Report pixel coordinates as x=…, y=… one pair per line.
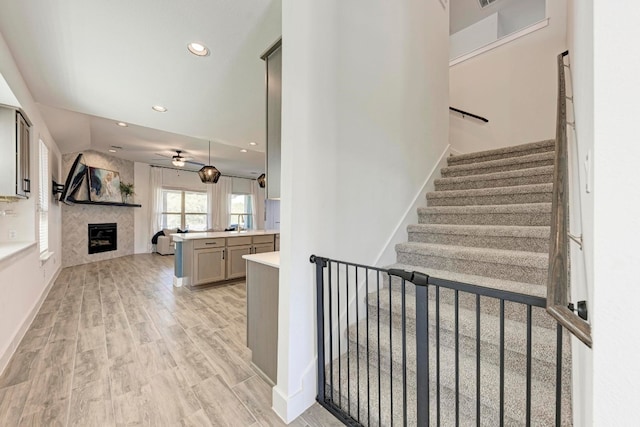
x=90, y=65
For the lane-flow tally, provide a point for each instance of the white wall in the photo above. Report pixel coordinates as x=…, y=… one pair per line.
x=474, y=36
x=142, y=215
x=364, y=120
x=580, y=41
x=616, y=212
x=513, y=85
x=24, y=280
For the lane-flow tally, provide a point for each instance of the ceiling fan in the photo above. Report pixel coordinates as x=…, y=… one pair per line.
x=179, y=160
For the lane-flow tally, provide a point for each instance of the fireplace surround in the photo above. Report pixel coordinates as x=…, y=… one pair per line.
x=102, y=237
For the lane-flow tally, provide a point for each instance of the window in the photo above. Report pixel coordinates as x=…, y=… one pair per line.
x=241, y=211
x=43, y=199
x=183, y=209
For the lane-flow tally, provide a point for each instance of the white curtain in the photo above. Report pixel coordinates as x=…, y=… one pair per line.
x=257, y=207
x=219, y=203
x=155, y=204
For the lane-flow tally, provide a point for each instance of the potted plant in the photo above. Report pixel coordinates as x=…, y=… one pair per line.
x=127, y=191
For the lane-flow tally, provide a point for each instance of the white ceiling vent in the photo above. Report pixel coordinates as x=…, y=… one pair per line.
x=485, y=3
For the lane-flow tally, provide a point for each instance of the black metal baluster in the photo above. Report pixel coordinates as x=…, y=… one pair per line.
x=339, y=336
x=320, y=264
x=559, y=378
x=404, y=354
x=390, y=353
x=366, y=271
x=347, y=311
x=357, y=344
x=501, y=362
x=478, y=347
x=379, y=370
x=422, y=355
x=331, y=331
x=457, y=357
x=438, y=354
x=528, y=420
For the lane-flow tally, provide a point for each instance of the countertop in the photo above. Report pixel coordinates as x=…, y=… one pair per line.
x=179, y=237
x=8, y=249
x=272, y=259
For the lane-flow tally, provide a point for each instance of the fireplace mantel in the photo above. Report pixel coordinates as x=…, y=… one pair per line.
x=88, y=202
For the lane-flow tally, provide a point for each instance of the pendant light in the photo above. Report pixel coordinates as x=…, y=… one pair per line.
x=209, y=174
x=262, y=180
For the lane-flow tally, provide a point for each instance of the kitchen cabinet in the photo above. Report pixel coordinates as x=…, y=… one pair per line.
x=262, y=313
x=273, y=60
x=262, y=248
x=208, y=261
x=235, y=263
x=15, y=142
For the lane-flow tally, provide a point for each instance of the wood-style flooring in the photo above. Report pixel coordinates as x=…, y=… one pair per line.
x=115, y=344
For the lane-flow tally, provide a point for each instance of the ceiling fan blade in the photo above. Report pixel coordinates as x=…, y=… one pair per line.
x=194, y=163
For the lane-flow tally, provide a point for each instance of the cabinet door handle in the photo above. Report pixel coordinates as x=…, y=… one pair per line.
x=223, y=251
x=210, y=243
x=27, y=185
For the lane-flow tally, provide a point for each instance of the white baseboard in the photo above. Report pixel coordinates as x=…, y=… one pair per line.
x=290, y=407
x=26, y=324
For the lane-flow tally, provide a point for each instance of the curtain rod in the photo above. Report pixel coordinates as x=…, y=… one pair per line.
x=188, y=170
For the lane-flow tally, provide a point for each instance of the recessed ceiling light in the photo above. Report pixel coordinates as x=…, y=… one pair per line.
x=198, y=49
x=111, y=150
x=159, y=108
x=122, y=124
x=253, y=143
x=243, y=150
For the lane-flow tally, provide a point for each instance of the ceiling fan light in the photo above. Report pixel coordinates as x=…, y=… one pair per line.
x=178, y=162
x=209, y=174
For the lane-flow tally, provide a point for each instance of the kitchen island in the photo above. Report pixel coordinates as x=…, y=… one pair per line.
x=216, y=257
x=263, y=273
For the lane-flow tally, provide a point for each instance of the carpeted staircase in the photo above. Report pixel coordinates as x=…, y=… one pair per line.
x=487, y=223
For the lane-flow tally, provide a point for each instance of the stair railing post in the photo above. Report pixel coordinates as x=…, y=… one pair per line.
x=320, y=263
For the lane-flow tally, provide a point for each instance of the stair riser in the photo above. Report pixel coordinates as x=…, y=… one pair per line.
x=453, y=171
x=456, y=160
x=497, y=199
x=495, y=242
x=474, y=184
x=486, y=219
x=478, y=268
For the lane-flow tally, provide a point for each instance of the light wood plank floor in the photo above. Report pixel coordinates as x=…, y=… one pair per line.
x=116, y=344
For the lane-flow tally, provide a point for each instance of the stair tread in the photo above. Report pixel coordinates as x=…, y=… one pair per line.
x=539, y=231
x=502, y=284
x=484, y=209
x=540, y=170
x=516, y=189
x=489, y=164
x=490, y=255
x=514, y=149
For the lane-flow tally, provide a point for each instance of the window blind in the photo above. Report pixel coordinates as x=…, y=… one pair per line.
x=43, y=198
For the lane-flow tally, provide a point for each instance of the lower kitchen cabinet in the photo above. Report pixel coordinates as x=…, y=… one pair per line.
x=235, y=264
x=208, y=265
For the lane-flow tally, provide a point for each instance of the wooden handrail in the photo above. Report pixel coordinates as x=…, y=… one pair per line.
x=557, y=282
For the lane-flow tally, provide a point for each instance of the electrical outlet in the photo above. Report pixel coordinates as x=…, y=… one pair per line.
x=13, y=234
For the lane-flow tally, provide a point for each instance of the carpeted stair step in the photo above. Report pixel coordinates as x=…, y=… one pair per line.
x=519, y=214
x=522, y=238
x=540, y=175
x=501, y=165
x=381, y=397
x=529, y=267
x=389, y=312
x=502, y=153
x=513, y=311
x=534, y=193
x=389, y=350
